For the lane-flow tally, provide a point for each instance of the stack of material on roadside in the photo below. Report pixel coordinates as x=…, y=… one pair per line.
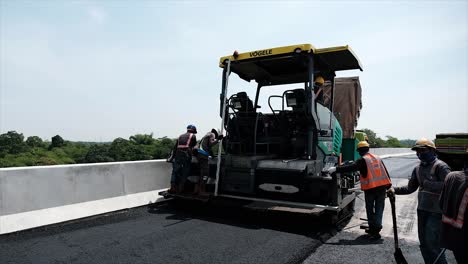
x=347, y=102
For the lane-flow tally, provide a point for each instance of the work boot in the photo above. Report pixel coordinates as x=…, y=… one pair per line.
x=196, y=189
x=181, y=187
x=173, y=189
x=202, y=190
x=373, y=233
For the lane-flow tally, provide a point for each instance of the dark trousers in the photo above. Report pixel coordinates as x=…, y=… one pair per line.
x=180, y=168
x=461, y=256
x=375, y=204
x=429, y=233
x=203, y=164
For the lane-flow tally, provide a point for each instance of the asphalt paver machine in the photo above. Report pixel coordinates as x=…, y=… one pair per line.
x=274, y=155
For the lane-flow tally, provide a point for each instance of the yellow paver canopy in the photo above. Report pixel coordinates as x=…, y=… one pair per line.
x=284, y=65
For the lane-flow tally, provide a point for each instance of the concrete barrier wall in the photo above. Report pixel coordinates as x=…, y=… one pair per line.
x=36, y=196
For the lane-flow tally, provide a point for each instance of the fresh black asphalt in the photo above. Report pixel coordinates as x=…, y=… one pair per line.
x=179, y=233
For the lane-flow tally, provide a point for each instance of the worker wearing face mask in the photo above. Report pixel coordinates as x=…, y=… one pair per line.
x=428, y=176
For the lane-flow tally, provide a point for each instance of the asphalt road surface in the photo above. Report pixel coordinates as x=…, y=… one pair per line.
x=194, y=233
x=351, y=245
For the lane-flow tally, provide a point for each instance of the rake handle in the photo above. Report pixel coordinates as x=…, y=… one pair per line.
x=395, y=232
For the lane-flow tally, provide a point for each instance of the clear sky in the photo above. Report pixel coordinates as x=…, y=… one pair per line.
x=98, y=70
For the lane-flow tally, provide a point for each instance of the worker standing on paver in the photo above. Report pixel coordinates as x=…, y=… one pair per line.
x=204, y=149
x=318, y=88
x=429, y=178
x=182, y=159
x=453, y=202
x=375, y=181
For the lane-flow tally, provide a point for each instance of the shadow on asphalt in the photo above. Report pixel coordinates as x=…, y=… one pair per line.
x=360, y=240
x=236, y=215
x=73, y=225
x=229, y=214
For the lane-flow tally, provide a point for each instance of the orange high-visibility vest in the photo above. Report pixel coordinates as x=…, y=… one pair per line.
x=376, y=173
x=459, y=220
x=182, y=144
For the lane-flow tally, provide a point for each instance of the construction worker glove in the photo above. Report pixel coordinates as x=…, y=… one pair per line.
x=391, y=192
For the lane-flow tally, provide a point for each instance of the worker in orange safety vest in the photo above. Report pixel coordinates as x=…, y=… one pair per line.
x=375, y=181
x=182, y=150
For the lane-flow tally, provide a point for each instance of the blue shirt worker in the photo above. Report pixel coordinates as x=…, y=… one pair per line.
x=427, y=177
x=375, y=181
x=182, y=159
x=204, y=154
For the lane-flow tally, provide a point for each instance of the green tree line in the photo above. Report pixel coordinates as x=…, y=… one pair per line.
x=16, y=151
x=391, y=142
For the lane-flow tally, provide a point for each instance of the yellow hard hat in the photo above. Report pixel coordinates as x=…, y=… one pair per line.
x=362, y=144
x=319, y=80
x=423, y=143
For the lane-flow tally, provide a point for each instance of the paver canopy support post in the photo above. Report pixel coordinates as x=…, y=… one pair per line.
x=227, y=72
